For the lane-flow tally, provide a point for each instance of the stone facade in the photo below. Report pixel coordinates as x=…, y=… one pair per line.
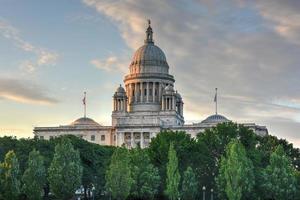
x=147, y=105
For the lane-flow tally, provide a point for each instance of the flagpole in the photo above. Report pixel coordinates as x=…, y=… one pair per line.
x=216, y=101
x=84, y=104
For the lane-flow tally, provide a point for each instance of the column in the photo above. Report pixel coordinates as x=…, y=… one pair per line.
x=131, y=140
x=173, y=103
x=181, y=109
x=153, y=92
x=159, y=92
x=135, y=92
x=142, y=91
x=142, y=140
x=147, y=92
x=131, y=93
x=163, y=104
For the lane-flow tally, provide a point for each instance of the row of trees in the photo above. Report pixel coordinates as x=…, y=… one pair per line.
x=64, y=174
x=230, y=159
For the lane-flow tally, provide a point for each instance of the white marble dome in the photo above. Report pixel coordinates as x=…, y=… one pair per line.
x=120, y=91
x=84, y=121
x=215, y=119
x=149, y=58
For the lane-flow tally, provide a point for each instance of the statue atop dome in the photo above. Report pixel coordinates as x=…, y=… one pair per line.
x=149, y=34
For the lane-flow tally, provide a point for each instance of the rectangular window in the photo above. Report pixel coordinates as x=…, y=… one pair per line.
x=41, y=137
x=93, y=137
x=51, y=137
x=102, y=137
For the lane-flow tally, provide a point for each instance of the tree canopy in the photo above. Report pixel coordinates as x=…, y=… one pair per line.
x=147, y=169
x=65, y=170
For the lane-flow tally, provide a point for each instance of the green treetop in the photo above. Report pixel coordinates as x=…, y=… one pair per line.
x=65, y=170
x=34, y=177
x=173, y=176
x=236, y=176
x=9, y=177
x=118, y=176
x=279, y=176
x=145, y=176
x=189, y=185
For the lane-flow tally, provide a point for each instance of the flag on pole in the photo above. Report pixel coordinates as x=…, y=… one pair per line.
x=83, y=100
x=215, y=99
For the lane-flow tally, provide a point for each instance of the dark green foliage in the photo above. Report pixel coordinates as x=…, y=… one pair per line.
x=145, y=176
x=10, y=177
x=118, y=176
x=173, y=176
x=189, y=185
x=188, y=151
x=65, y=170
x=34, y=177
x=203, y=155
x=280, y=177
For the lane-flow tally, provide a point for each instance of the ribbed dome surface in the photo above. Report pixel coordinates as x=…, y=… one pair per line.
x=215, y=119
x=85, y=121
x=149, y=58
x=149, y=54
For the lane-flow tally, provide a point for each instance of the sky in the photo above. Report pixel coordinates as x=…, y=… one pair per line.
x=53, y=51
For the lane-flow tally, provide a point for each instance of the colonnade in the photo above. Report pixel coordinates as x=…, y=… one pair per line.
x=131, y=139
x=144, y=92
x=120, y=104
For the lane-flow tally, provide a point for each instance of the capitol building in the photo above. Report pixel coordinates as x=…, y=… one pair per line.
x=146, y=105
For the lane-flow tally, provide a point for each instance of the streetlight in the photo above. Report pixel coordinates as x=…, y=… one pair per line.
x=93, y=192
x=211, y=194
x=203, y=189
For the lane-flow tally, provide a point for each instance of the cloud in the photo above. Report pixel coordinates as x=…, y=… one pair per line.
x=42, y=55
x=285, y=16
x=248, y=49
x=24, y=91
x=111, y=64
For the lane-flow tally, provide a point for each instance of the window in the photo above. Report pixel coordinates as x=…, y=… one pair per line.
x=102, y=137
x=93, y=137
x=51, y=137
x=41, y=137
x=145, y=92
x=115, y=137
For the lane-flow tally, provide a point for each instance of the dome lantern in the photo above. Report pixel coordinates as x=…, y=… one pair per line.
x=149, y=34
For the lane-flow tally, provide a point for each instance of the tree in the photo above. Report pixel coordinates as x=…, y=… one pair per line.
x=279, y=176
x=9, y=177
x=188, y=153
x=145, y=176
x=34, y=177
x=173, y=176
x=118, y=176
x=65, y=170
x=189, y=185
x=235, y=172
